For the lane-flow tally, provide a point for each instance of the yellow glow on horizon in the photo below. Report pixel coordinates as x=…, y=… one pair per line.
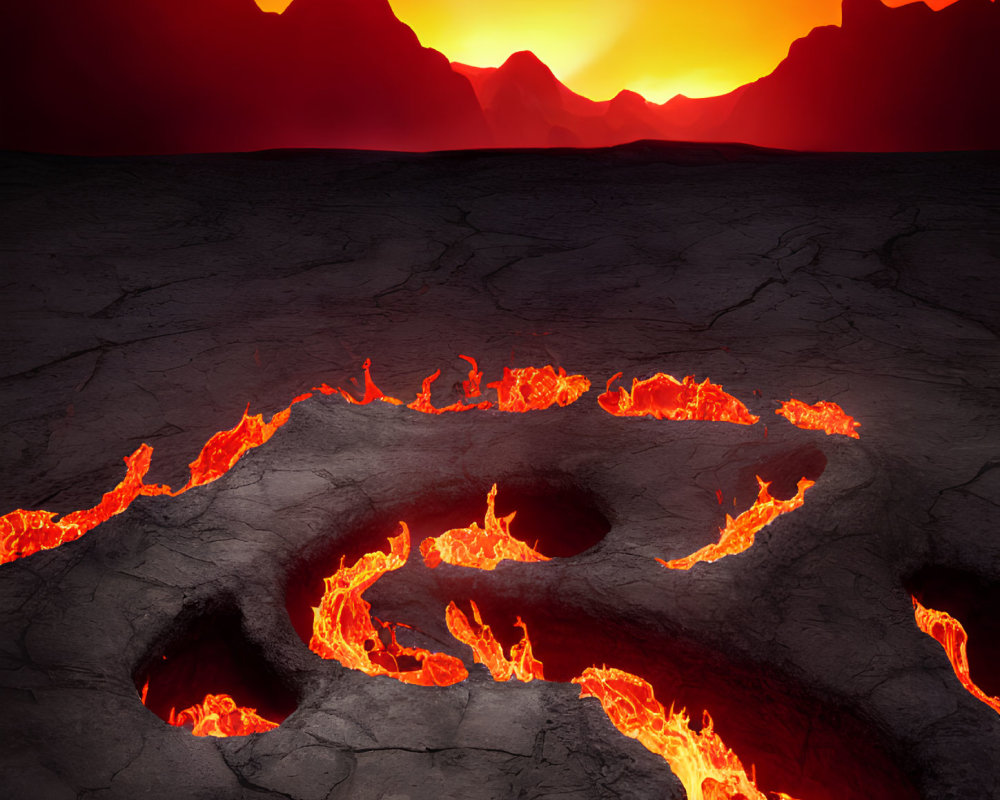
x=657, y=48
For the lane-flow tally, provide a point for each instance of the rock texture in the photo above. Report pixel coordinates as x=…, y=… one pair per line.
x=149, y=299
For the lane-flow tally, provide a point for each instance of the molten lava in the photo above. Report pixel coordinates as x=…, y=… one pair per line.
x=344, y=630
x=225, y=448
x=471, y=387
x=486, y=650
x=25, y=532
x=535, y=389
x=738, y=534
x=424, y=405
x=218, y=715
x=482, y=548
x=702, y=762
x=372, y=392
x=664, y=397
x=823, y=416
x=950, y=634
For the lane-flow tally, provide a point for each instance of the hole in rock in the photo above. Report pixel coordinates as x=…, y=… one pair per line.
x=975, y=602
x=562, y=518
x=799, y=744
x=208, y=654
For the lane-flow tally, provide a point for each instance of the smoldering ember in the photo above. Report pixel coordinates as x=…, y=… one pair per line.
x=337, y=375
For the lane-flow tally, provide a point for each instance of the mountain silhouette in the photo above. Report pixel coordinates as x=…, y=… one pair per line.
x=168, y=76
x=173, y=76
x=907, y=78
x=887, y=79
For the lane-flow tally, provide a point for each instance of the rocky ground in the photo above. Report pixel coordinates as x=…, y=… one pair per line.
x=151, y=299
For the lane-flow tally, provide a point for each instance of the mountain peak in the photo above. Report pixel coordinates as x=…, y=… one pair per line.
x=527, y=64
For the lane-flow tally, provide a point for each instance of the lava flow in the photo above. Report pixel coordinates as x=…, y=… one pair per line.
x=950, y=634
x=823, y=416
x=423, y=402
x=482, y=548
x=738, y=534
x=537, y=388
x=218, y=715
x=486, y=650
x=225, y=448
x=23, y=533
x=664, y=397
x=372, y=392
x=344, y=630
x=702, y=762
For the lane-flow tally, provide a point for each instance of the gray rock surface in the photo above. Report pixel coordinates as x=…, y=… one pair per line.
x=149, y=299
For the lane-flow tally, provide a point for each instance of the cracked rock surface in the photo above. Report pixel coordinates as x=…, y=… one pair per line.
x=150, y=299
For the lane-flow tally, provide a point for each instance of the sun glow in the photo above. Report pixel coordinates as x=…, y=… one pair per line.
x=598, y=48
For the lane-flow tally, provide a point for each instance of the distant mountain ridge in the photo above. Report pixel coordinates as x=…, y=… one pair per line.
x=162, y=76
x=175, y=76
x=907, y=78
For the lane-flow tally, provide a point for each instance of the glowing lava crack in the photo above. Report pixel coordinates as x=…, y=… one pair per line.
x=487, y=651
x=738, y=534
x=218, y=715
x=482, y=548
x=665, y=397
x=823, y=416
x=702, y=762
x=344, y=630
x=949, y=633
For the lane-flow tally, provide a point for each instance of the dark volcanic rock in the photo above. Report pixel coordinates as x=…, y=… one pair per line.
x=149, y=299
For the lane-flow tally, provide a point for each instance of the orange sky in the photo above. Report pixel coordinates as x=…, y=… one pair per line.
x=658, y=48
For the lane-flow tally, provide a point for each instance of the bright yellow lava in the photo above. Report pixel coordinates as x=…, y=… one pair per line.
x=657, y=48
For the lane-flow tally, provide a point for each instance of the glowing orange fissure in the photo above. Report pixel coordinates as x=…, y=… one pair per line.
x=481, y=548
x=950, y=634
x=702, y=762
x=218, y=715
x=24, y=532
x=738, y=534
x=487, y=651
x=344, y=630
x=823, y=416
x=665, y=397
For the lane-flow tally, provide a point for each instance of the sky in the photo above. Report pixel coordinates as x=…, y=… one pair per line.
x=658, y=48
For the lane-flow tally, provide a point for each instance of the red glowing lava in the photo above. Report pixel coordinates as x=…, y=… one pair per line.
x=25, y=532
x=950, y=634
x=218, y=715
x=424, y=405
x=344, y=630
x=702, y=762
x=664, y=397
x=537, y=388
x=738, y=534
x=482, y=548
x=823, y=416
x=471, y=386
x=486, y=650
x=372, y=392
x=225, y=448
